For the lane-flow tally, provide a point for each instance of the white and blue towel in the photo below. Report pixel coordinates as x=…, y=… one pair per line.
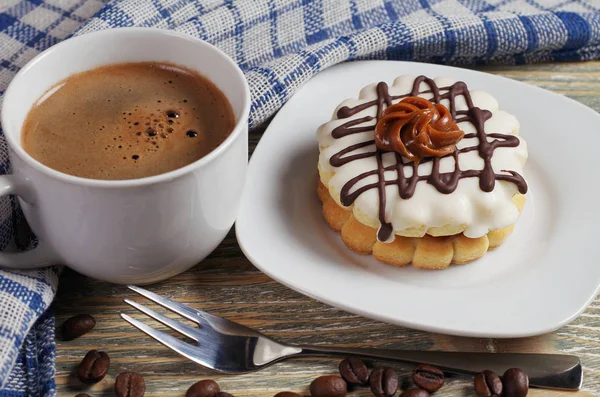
x=279, y=44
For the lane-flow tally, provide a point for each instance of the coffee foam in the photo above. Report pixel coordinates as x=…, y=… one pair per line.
x=127, y=121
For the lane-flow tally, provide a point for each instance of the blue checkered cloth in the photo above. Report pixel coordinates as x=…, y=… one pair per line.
x=279, y=44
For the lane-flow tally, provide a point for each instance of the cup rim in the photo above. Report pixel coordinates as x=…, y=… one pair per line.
x=150, y=180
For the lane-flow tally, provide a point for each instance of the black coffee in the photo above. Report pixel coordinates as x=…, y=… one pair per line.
x=127, y=121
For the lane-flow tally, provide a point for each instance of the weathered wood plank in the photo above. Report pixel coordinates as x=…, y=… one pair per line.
x=227, y=285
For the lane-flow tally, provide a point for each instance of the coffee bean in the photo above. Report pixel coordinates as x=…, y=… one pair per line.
x=93, y=367
x=223, y=394
x=354, y=371
x=130, y=384
x=328, y=386
x=428, y=377
x=415, y=392
x=487, y=384
x=204, y=388
x=383, y=382
x=76, y=326
x=287, y=394
x=515, y=383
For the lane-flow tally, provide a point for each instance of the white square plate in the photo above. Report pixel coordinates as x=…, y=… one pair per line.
x=541, y=278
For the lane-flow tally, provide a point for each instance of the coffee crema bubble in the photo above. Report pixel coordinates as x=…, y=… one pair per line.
x=107, y=123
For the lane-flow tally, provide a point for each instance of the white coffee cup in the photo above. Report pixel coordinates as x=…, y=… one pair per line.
x=130, y=231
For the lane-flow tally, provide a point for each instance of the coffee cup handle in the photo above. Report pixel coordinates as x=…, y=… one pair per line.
x=40, y=256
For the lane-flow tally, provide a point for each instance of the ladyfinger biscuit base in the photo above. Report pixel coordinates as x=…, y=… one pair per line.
x=427, y=252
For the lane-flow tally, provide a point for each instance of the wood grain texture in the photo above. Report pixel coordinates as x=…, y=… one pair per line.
x=226, y=284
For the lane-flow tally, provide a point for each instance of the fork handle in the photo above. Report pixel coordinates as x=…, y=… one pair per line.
x=550, y=371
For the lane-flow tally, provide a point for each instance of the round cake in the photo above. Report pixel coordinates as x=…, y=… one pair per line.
x=424, y=171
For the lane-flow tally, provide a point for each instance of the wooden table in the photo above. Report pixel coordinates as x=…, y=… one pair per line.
x=228, y=285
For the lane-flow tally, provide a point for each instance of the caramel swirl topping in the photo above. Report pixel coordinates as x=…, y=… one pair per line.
x=417, y=128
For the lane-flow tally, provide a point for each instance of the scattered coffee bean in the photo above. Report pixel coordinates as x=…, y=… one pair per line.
x=93, y=367
x=415, y=392
x=515, y=383
x=76, y=326
x=428, y=377
x=204, y=388
x=223, y=394
x=383, y=382
x=83, y=395
x=287, y=394
x=354, y=371
x=328, y=386
x=487, y=384
x=130, y=384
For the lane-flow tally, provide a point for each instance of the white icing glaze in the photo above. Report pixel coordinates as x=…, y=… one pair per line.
x=467, y=209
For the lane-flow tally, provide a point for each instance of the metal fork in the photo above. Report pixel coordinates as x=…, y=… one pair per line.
x=229, y=347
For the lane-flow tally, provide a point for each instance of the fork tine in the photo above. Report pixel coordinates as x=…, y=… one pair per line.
x=190, y=352
x=206, y=320
x=184, y=329
x=179, y=308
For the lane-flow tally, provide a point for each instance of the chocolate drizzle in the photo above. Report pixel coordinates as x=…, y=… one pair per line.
x=445, y=183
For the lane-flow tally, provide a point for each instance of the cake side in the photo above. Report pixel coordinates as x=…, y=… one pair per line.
x=427, y=252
